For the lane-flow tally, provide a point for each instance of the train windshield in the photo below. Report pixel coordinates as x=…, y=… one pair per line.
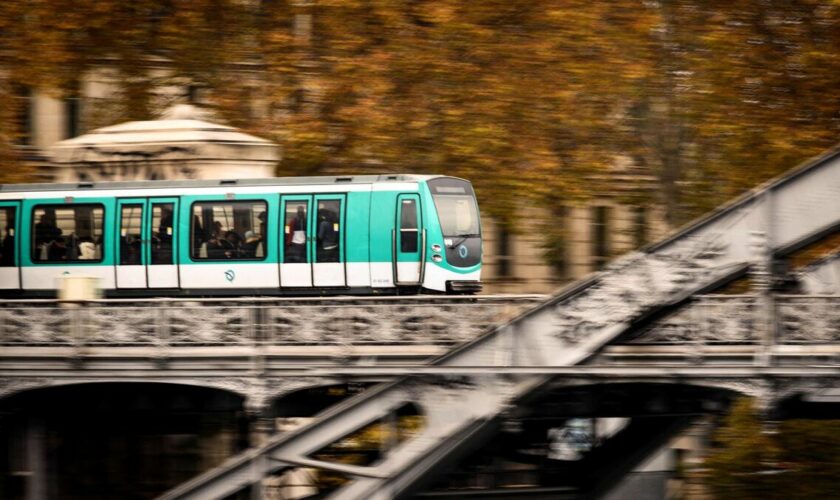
x=456, y=207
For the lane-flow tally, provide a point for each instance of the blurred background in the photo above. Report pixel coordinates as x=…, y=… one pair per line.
x=588, y=128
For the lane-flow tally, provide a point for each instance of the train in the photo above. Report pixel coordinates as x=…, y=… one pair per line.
x=344, y=235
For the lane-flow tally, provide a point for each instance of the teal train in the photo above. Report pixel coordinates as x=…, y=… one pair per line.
x=386, y=234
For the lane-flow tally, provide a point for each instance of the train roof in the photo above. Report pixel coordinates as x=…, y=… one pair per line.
x=209, y=183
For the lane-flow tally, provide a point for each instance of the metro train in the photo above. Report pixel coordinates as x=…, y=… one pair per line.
x=372, y=234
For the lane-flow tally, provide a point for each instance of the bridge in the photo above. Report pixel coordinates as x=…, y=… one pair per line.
x=743, y=301
x=253, y=343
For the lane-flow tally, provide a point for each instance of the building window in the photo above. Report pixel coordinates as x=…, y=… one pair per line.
x=640, y=227
x=23, y=118
x=67, y=233
x=503, y=257
x=71, y=116
x=232, y=230
x=556, y=248
x=600, y=237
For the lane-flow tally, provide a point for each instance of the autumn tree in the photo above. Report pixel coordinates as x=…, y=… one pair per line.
x=800, y=459
x=145, y=45
x=537, y=102
x=744, y=463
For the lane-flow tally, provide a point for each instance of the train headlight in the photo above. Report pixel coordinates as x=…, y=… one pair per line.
x=437, y=258
x=436, y=248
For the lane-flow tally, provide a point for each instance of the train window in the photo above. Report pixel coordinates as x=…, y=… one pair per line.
x=408, y=226
x=67, y=233
x=130, y=235
x=7, y=233
x=228, y=230
x=328, y=236
x=458, y=215
x=295, y=232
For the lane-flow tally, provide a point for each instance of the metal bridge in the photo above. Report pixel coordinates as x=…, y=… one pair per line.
x=258, y=348
x=743, y=300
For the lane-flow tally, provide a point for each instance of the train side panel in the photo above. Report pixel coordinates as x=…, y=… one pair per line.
x=376, y=247
x=88, y=220
x=200, y=270
x=357, y=239
x=382, y=222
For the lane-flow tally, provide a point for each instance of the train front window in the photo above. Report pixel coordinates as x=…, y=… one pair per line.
x=458, y=216
x=456, y=207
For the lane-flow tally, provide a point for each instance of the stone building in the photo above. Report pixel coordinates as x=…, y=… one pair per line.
x=182, y=144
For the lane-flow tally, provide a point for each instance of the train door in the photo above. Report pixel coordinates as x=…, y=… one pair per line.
x=131, y=243
x=9, y=245
x=312, y=241
x=161, y=223
x=408, y=241
x=146, y=243
x=295, y=235
x=328, y=241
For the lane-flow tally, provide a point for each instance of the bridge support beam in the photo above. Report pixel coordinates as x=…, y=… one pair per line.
x=761, y=269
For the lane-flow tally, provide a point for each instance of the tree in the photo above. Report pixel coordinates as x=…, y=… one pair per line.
x=800, y=460
x=744, y=462
x=537, y=102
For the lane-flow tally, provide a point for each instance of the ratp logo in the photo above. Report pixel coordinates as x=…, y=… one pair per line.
x=230, y=275
x=463, y=252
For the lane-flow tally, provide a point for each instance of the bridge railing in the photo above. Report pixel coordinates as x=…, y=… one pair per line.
x=707, y=320
x=435, y=322
x=813, y=319
x=737, y=328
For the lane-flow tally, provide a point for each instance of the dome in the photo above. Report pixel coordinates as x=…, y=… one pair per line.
x=181, y=139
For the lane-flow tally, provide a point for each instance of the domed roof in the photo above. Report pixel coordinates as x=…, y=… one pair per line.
x=181, y=130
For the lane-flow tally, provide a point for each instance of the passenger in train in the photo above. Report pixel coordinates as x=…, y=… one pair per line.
x=327, y=237
x=162, y=248
x=296, y=237
x=198, y=235
x=87, y=249
x=261, y=245
x=248, y=249
x=71, y=247
x=231, y=244
x=48, y=238
x=130, y=250
x=216, y=245
x=7, y=251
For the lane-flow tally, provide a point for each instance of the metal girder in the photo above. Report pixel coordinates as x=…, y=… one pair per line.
x=565, y=331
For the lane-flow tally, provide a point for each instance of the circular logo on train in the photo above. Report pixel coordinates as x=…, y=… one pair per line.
x=230, y=275
x=462, y=251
